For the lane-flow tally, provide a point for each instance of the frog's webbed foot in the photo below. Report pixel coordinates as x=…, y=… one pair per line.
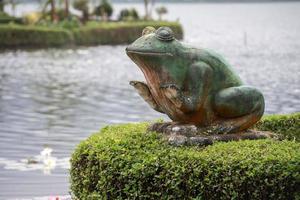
x=144, y=91
x=224, y=129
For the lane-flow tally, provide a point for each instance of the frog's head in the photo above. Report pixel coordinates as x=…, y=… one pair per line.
x=155, y=49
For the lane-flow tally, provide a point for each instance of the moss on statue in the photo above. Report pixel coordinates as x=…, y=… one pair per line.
x=123, y=162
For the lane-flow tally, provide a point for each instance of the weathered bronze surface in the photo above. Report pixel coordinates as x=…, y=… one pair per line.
x=193, y=85
x=187, y=134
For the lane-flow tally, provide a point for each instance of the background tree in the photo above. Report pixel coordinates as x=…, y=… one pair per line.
x=128, y=15
x=13, y=4
x=1, y=5
x=66, y=8
x=149, y=4
x=146, y=3
x=161, y=11
x=53, y=11
x=124, y=13
x=134, y=14
x=82, y=5
x=104, y=10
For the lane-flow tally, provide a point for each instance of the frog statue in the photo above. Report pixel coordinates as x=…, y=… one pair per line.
x=193, y=85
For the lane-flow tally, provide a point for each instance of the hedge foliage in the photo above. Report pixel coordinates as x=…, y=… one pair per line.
x=119, y=33
x=5, y=18
x=93, y=33
x=124, y=162
x=287, y=126
x=17, y=36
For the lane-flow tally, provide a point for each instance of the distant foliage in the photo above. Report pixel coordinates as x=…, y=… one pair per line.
x=5, y=18
x=32, y=17
x=2, y=5
x=69, y=23
x=3, y=14
x=148, y=4
x=118, y=33
x=82, y=5
x=70, y=32
x=129, y=15
x=105, y=10
x=61, y=13
x=125, y=162
x=61, y=16
x=161, y=11
x=33, y=36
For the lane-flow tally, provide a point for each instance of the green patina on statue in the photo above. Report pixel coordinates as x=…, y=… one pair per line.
x=193, y=85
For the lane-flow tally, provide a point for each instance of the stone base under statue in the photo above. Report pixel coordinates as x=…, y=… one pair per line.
x=186, y=134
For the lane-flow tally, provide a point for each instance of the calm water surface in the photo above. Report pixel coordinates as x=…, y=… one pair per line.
x=57, y=98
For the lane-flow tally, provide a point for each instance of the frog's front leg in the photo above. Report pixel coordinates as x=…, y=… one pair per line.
x=197, y=84
x=144, y=92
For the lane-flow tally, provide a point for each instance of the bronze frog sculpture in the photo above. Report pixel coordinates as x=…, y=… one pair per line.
x=192, y=85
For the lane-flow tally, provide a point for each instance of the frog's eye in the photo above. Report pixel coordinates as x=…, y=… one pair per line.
x=164, y=34
x=148, y=30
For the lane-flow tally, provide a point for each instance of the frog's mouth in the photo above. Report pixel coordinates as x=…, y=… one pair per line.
x=131, y=51
x=146, y=60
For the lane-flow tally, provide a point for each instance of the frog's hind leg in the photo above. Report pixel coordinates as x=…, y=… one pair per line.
x=144, y=91
x=238, y=108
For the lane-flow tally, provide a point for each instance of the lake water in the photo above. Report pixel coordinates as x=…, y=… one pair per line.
x=56, y=98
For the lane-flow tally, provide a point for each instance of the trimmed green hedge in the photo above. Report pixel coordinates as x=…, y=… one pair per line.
x=12, y=36
x=16, y=36
x=287, y=126
x=123, y=162
x=5, y=18
x=118, y=33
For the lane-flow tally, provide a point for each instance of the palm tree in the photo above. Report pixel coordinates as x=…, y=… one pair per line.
x=82, y=5
x=1, y=5
x=148, y=10
x=161, y=11
x=13, y=4
x=53, y=11
x=104, y=10
x=66, y=7
x=146, y=3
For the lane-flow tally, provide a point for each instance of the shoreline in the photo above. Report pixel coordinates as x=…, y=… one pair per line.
x=15, y=37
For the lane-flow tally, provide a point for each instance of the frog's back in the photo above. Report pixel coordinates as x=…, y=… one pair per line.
x=223, y=74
